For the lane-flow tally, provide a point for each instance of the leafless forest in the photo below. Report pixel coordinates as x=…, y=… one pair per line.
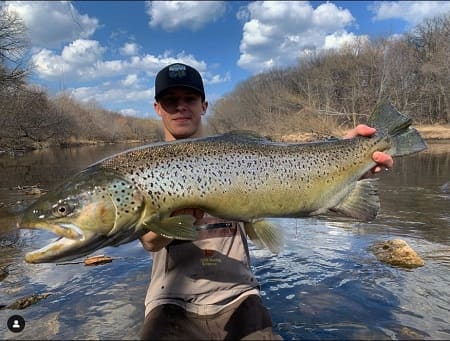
x=323, y=94
x=330, y=91
x=29, y=118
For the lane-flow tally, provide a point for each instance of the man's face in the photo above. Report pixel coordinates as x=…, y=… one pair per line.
x=180, y=110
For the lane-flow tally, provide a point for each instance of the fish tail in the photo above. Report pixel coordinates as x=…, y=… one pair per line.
x=390, y=122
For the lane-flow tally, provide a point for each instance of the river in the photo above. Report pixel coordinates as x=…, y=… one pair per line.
x=326, y=284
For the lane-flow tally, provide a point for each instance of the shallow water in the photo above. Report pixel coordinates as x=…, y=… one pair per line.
x=326, y=284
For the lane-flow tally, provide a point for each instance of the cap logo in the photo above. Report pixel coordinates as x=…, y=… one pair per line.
x=177, y=71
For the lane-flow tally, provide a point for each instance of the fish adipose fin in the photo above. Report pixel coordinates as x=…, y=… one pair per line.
x=362, y=202
x=265, y=234
x=178, y=227
x=389, y=121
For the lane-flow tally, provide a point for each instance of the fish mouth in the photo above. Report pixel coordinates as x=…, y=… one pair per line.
x=69, y=244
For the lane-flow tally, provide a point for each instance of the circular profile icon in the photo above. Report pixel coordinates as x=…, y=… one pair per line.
x=16, y=323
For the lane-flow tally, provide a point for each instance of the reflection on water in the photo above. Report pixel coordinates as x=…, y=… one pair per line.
x=326, y=284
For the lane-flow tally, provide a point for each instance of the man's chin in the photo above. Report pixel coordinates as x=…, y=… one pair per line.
x=185, y=132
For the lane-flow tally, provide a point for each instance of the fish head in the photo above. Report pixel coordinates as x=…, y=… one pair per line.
x=95, y=208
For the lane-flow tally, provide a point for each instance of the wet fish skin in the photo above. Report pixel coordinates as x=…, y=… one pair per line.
x=233, y=176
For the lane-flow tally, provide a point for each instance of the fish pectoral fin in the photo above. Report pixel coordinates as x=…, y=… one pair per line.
x=178, y=227
x=362, y=202
x=265, y=234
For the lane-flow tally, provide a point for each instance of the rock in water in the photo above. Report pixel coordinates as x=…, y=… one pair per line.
x=397, y=252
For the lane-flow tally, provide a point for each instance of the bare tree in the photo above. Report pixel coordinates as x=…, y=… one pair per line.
x=13, y=44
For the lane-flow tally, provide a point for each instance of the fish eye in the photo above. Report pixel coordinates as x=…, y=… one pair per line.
x=61, y=210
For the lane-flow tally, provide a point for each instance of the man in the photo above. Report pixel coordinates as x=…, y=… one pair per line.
x=204, y=289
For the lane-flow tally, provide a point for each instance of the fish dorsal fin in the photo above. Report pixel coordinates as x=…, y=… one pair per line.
x=362, y=202
x=246, y=135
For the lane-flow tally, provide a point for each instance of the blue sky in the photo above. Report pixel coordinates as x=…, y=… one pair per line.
x=110, y=51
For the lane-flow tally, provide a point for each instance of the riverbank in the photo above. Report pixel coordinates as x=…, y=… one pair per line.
x=18, y=150
x=437, y=132
x=429, y=133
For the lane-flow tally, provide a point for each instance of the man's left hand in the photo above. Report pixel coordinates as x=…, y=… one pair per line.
x=383, y=160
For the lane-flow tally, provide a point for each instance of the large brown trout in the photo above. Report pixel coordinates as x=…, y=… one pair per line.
x=238, y=176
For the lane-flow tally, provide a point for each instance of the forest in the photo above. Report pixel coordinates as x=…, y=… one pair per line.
x=329, y=91
x=324, y=94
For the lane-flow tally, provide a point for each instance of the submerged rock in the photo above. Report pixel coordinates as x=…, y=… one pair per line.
x=27, y=301
x=4, y=272
x=397, y=252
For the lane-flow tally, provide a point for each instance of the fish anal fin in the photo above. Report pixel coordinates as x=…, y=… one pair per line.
x=362, y=202
x=263, y=233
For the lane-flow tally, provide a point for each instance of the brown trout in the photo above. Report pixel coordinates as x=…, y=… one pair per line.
x=237, y=176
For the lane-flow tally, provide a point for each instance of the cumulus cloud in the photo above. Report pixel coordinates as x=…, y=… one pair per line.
x=215, y=79
x=335, y=41
x=79, y=58
x=51, y=23
x=130, y=80
x=127, y=82
x=129, y=49
x=412, y=12
x=111, y=93
x=84, y=60
x=129, y=112
x=193, y=15
x=276, y=33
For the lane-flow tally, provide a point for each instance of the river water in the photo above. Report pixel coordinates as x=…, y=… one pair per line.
x=326, y=284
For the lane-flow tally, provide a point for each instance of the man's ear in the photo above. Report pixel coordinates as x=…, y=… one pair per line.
x=156, y=108
x=205, y=107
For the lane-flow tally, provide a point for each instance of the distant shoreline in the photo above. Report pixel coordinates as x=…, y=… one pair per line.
x=431, y=133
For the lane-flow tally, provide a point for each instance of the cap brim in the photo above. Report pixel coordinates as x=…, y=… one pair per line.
x=180, y=86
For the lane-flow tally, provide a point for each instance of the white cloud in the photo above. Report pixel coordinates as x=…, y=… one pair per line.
x=209, y=78
x=337, y=40
x=412, y=12
x=82, y=52
x=130, y=80
x=129, y=49
x=193, y=15
x=112, y=94
x=129, y=112
x=51, y=23
x=276, y=33
x=84, y=60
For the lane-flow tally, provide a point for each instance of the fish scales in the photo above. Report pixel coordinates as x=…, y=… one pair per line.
x=238, y=176
x=199, y=173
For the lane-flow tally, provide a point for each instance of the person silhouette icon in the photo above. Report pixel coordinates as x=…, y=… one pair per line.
x=16, y=323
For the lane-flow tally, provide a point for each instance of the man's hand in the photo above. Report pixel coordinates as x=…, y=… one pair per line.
x=383, y=160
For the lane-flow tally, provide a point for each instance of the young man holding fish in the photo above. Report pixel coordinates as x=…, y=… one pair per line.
x=204, y=289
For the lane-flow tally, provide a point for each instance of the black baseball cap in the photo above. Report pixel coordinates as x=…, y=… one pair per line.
x=178, y=74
